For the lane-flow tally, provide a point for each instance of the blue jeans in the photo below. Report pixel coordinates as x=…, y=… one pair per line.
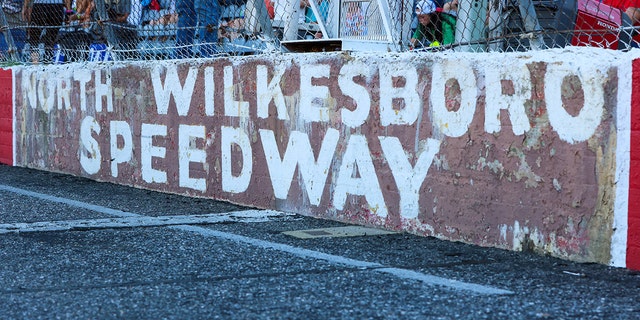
x=205, y=14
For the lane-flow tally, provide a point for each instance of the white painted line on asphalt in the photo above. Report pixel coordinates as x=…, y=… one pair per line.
x=296, y=251
x=334, y=259
x=435, y=280
x=73, y=203
x=244, y=216
x=143, y=221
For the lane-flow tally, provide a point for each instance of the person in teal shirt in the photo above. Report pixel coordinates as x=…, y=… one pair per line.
x=448, y=19
x=323, y=7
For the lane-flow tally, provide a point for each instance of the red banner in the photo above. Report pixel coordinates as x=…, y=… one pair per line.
x=6, y=117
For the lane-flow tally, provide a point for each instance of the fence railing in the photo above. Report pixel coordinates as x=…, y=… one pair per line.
x=60, y=31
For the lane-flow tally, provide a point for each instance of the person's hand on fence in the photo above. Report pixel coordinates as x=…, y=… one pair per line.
x=123, y=18
x=450, y=7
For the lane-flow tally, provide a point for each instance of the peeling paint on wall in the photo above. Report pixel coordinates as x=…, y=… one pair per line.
x=515, y=153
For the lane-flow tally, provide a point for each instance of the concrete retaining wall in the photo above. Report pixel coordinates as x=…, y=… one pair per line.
x=518, y=151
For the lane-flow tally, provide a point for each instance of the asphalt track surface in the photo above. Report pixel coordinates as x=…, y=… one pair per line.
x=73, y=248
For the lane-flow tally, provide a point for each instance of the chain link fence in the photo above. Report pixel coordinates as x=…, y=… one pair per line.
x=61, y=31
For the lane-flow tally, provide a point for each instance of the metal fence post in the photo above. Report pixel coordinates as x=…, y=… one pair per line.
x=406, y=15
x=470, y=28
x=291, y=26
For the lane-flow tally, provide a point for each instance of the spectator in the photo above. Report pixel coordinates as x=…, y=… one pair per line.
x=231, y=29
x=271, y=11
x=126, y=34
x=118, y=10
x=83, y=13
x=630, y=7
x=448, y=19
x=429, y=32
x=47, y=15
x=204, y=13
x=158, y=13
x=73, y=42
x=307, y=16
x=13, y=13
x=310, y=17
x=167, y=19
x=451, y=8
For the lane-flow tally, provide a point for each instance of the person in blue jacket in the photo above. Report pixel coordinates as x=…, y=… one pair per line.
x=205, y=14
